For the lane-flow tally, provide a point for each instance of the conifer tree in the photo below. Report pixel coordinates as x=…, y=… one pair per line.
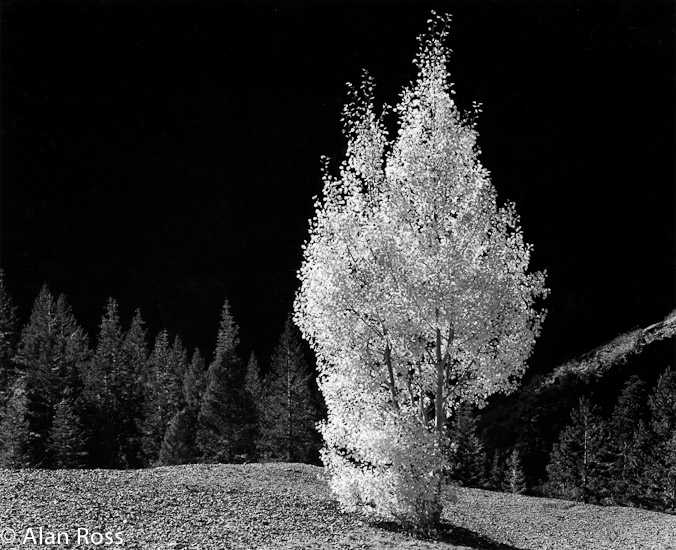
x=253, y=378
x=225, y=430
x=132, y=393
x=467, y=454
x=105, y=378
x=113, y=393
x=163, y=392
x=660, y=470
x=668, y=489
x=179, y=445
x=194, y=382
x=254, y=387
x=662, y=404
x=627, y=415
x=15, y=429
x=8, y=340
x=288, y=415
x=641, y=468
x=514, y=481
x=52, y=354
x=576, y=467
x=67, y=444
x=497, y=474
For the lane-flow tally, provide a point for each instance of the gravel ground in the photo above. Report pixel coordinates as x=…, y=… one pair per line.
x=285, y=506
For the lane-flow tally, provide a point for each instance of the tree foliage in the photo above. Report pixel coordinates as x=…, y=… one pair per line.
x=287, y=411
x=8, y=340
x=467, y=456
x=578, y=461
x=497, y=472
x=253, y=379
x=514, y=481
x=67, y=440
x=105, y=376
x=225, y=428
x=164, y=398
x=627, y=427
x=15, y=450
x=52, y=355
x=132, y=394
x=659, y=478
x=414, y=293
x=179, y=445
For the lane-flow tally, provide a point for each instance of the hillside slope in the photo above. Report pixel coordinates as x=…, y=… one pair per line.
x=288, y=506
x=598, y=361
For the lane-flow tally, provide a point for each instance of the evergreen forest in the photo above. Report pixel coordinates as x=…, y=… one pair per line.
x=125, y=400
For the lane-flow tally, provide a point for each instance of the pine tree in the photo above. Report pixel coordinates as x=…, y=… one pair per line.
x=288, y=417
x=15, y=429
x=132, y=394
x=253, y=378
x=194, y=383
x=668, y=482
x=626, y=417
x=105, y=377
x=255, y=389
x=642, y=469
x=225, y=430
x=467, y=455
x=163, y=392
x=52, y=354
x=576, y=467
x=113, y=394
x=660, y=471
x=514, y=481
x=662, y=404
x=8, y=341
x=497, y=475
x=67, y=444
x=179, y=445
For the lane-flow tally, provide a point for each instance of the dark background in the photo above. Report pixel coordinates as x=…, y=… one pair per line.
x=167, y=153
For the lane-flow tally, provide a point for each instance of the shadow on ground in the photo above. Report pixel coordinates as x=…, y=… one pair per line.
x=452, y=534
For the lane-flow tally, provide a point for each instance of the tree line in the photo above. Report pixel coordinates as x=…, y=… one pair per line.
x=128, y=404
x=626, y=457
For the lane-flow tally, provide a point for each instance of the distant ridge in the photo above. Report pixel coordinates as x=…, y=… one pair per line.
x=598, y=361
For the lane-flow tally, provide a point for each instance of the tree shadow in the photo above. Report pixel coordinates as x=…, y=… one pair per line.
x=451, y=534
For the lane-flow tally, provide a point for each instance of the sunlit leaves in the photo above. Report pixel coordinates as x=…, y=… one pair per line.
x=415, y=294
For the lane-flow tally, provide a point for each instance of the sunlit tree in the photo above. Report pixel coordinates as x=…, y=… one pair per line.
x=414, y=293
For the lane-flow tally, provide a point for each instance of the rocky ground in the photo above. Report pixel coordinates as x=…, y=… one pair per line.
x=283, y=506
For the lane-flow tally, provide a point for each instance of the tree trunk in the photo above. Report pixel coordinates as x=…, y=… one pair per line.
x=439, y=417
x=390, y=371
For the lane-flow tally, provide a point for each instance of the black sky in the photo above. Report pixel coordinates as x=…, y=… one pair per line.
x=167, y=153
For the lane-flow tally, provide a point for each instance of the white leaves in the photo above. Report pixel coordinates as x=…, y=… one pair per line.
x=409, y=260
